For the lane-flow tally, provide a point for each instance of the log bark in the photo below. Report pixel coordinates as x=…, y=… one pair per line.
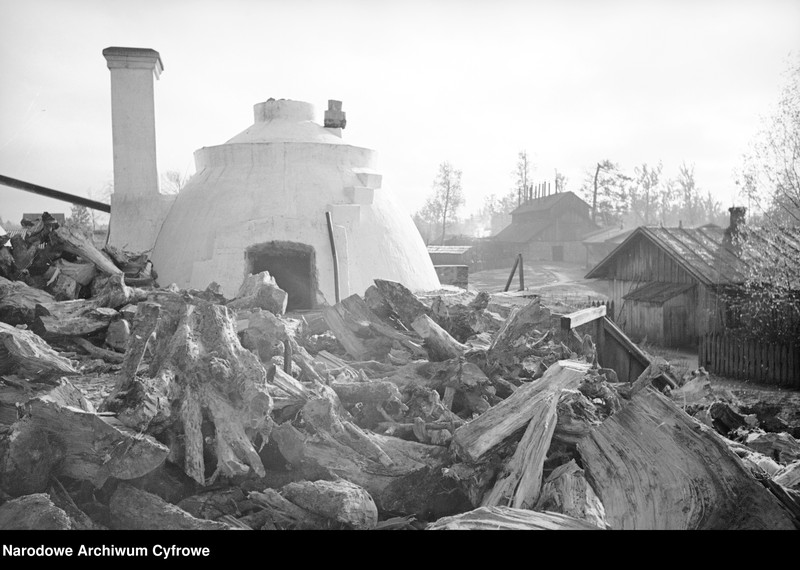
x=23, y=352
x=199, y=366
x=520, y=483
x=654, y=467
x=85, y=320
x=477, y=437
x=134, y=509
x=508, y=518
x=440, y=345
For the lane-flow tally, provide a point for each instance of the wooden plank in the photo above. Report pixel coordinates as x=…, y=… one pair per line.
x=578, y=318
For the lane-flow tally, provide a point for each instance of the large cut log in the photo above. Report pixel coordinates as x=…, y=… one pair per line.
x=440, y=345
x=508, y=518
x=345, y=332
x=566, y=491
x=33, y=512
x=340, y=501
x=480, y=435
x=81, y=273
x=73, y=242
x=84, y=446
x=260, y=291
x=576, y=415
x=200, y=372
x=519, y=484
x=654, y=467
x=357, y=310
x=402, y=301
x=96, y=351
x=18, y=301
x=134, y=509
x=16, y=391
x=25, y=353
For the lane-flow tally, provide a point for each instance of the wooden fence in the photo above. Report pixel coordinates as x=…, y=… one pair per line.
x=750, y=360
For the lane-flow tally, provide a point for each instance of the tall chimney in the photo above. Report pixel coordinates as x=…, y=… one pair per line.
x=133, y=120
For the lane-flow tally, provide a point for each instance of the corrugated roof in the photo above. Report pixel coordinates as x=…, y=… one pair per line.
x=454, y=249
x=546, y=202
x=657, y=292
x=701, y=252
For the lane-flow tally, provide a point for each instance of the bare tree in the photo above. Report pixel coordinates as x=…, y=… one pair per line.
x=446, y=198
x=172, y=182
x=522, y=175
x=770, y=175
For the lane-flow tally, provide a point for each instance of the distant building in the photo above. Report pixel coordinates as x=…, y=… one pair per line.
x=549, y=228
x=602, y=242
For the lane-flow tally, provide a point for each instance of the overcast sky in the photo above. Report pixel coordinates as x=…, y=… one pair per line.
x=472, y=82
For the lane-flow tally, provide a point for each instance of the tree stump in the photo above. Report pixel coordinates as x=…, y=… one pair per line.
x=200, y=373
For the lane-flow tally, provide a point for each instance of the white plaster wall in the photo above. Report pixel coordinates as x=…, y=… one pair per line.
x=250, y=193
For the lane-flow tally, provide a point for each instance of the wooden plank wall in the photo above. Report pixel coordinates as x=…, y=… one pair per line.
x=760, y=362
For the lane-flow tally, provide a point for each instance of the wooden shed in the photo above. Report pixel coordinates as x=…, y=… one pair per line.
x=549, y=228
x=665, y=282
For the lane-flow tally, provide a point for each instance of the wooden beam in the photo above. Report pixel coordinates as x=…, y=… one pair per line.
x=578, y=318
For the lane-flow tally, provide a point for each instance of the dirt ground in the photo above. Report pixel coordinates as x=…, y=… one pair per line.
x=546, y=278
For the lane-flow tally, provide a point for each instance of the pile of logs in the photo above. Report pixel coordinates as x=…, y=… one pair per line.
x=384, y=411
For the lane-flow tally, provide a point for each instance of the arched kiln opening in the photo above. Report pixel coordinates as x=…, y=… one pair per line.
x=292, y=265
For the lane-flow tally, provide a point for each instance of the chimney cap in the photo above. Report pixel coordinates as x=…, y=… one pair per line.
x=138, y=58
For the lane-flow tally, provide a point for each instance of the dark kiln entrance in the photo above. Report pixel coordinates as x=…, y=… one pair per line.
x=293, y=267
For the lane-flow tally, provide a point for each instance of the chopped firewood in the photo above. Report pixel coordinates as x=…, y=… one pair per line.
x=695, y=391
x=85, y=319
x=567, y=491
x=215, y=504
x=63, y=287
x=521, y=322
x=339, y=447
x=576, y=415
x=508, y=518
x=377, y=304
x=284, y=514
x=62, y=499
x=199, y=369
x=340, y=501
x=96, y=351
x=22, y=252
x=780, y=446
x=789, y=476
x=73, y=242
x=474, y=439
x=134, y=509
x=23, y=352
x=359, y=311
x=653, y=467
x=260, y=291
x=402, y=301
x=345, y=333
x=81, y=273
x=7, y=266
x=18, y=301
x=519, y=485
x=33, y=512
x=440, y=345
